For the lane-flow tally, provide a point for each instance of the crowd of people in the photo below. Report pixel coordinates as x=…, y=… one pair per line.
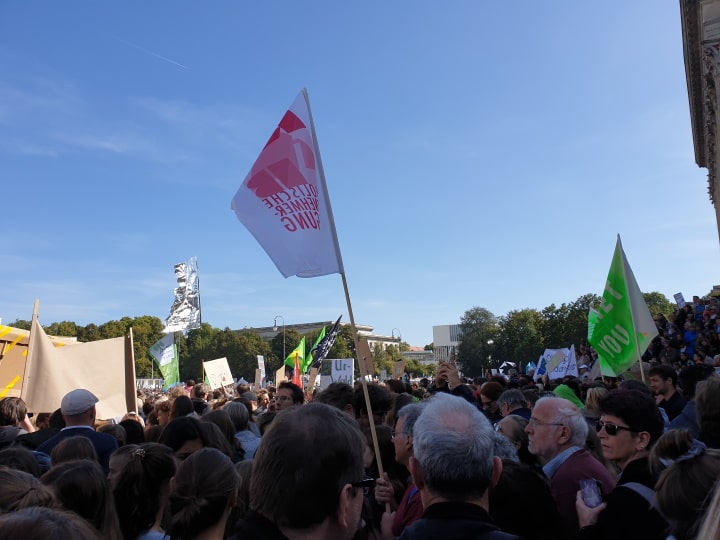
x=489, y=459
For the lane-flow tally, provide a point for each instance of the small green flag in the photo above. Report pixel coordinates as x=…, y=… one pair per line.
x=621, y=328
x=300, y=351
x=311, y=354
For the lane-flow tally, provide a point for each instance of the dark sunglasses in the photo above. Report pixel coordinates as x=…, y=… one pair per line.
x=610, y=429
x=366, y=484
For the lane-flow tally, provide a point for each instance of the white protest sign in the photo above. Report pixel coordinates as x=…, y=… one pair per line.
x=218, y=373
x=560, y=362
x=261, y=365
x=342, y=370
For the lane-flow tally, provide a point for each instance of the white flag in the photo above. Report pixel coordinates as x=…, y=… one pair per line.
x=185, y=312
x=284, y=203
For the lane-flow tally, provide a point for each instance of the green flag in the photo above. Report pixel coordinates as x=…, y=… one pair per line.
x=165, y=353
x=311, y=353
x=621, y=328
x=300, y=351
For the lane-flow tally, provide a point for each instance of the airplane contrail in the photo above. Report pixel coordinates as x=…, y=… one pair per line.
x=156, y=55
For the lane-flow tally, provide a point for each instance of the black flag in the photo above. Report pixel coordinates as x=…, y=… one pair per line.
x=323, y=348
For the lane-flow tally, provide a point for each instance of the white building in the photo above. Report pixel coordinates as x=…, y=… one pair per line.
x=446, y=339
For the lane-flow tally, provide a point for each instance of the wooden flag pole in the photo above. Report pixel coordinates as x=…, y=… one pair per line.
x=331, y=221
x=130, y=385
x=28, y=358
x=368, y=406
x=637, y=348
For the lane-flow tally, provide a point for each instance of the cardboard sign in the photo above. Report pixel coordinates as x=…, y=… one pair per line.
x=261, y=365
x=342, y=370
x=218, y=373
x=398, y=369
x=365, y=358
x=314, y=372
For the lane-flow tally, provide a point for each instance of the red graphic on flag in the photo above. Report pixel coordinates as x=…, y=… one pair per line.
x=287, y=161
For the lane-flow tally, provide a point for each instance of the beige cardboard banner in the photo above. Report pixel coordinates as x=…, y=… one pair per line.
x=13, y=355
x=365, y=358
x=398, y=369
x=104, y=367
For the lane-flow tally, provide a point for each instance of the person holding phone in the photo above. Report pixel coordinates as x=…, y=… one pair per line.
x=630, y=423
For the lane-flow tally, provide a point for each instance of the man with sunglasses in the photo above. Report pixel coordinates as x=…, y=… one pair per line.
x=556, y=433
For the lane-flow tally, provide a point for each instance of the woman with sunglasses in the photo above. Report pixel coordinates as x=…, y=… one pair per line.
x=629, y=425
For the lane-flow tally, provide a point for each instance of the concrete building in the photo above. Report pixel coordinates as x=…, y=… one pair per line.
x=446, y=338
x=700, y=21
x=269, y=332
x=420, y=355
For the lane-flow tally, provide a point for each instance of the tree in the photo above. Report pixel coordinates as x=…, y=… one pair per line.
x=429, y=347
x=577, y=319
x=344, y=346
x=21, y=324
x=65, y=328
x=479, y=329
x=381, y=360
x=658, y=304
x=199, y=348
x=147, y=330
x=520, y=338
x=567, y=325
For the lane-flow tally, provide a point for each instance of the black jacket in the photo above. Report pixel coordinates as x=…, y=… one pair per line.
x=455, y=521
x=628, y=515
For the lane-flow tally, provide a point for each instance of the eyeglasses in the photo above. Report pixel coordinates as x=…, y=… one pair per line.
x=534, y=422
x=366, y=484
x=610, y=429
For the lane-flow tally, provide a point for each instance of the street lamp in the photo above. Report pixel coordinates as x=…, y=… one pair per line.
x=275, y=327
x=392, y=332
x=490, y=344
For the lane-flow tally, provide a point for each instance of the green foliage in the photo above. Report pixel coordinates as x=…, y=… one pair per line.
x=21, y=324
x=474, y=355
x=658, y=304
x=344, y=346
x=429, y=347
x=520, y=338
x=65, y=328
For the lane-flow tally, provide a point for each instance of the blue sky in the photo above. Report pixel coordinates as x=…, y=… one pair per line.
x=476, y=154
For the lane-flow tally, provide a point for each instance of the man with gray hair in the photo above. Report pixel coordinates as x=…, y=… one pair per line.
x=556, y=432
x=513, y=401
x=453, y=467
x=410, y=508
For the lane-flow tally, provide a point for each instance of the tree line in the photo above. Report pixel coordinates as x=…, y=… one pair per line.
x=240, y=347
x=521, y=336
